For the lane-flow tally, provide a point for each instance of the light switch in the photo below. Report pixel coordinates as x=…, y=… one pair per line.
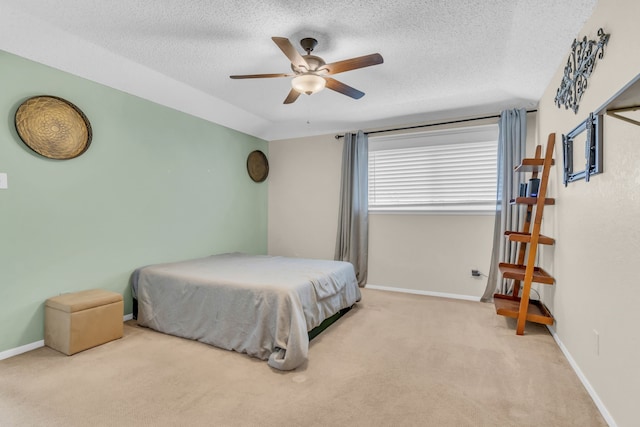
x=3, y=181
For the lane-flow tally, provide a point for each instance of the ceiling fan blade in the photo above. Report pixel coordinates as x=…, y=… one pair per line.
x=287, y=48
x=260, y=76
x=291, y=98
x=354, y=63
x=333, y=84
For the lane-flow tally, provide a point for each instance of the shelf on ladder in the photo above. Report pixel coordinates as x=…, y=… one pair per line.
x=531, y=165
x=519, y=236
x=509, y=306
x=531, y=201
x=517, y=272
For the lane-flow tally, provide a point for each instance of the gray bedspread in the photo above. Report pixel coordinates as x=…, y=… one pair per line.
x=256, y=304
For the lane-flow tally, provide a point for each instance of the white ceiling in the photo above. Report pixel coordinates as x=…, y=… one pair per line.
x=443, y=59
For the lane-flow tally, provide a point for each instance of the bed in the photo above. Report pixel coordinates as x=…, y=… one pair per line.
x=260, y=305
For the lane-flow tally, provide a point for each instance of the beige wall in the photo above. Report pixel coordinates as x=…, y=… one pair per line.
x=430, y=253
x=304, y=186
x=596, y=224
x=423, y=253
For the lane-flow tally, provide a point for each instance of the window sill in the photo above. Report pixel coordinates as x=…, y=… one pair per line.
x=431, y=212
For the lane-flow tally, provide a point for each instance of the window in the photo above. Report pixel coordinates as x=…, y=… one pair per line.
x=445, y=171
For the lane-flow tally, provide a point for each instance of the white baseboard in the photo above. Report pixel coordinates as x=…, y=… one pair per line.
x=22, y=349
x=594, y=396
x=418, y=292
x=28, y=347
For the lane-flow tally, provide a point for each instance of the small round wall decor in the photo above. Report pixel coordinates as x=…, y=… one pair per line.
x=53, y=127
x=257, y=166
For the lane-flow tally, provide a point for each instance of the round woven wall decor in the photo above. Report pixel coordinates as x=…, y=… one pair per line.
x=53, y=127
x=257, y=166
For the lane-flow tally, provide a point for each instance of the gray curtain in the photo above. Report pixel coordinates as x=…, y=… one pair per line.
x=353, y=220
x=511, y=150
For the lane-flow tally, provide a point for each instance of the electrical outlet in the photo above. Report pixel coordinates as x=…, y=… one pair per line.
x=4, y=184
x=476, y=273
x=597, y=342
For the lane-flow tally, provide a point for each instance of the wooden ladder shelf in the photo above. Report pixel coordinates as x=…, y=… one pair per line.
x=517, y=304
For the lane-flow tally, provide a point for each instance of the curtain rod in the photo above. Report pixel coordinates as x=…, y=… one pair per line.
x=495, y=116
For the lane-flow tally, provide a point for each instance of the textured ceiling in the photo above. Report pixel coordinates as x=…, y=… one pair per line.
x=442, y=59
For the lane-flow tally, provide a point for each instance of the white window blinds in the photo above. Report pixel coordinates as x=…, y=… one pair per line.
x=442, y=171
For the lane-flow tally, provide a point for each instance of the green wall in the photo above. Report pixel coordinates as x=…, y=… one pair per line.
x=155, y=185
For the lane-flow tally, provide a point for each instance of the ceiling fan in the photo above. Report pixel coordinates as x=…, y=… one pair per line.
x=310, y=72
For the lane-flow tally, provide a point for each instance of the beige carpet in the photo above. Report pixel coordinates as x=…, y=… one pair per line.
x=394, y=360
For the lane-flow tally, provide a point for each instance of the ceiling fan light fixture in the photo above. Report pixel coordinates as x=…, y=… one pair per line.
x=308, y=83
x=311, y=73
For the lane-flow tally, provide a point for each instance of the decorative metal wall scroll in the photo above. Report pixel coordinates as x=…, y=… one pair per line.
x=580, y=65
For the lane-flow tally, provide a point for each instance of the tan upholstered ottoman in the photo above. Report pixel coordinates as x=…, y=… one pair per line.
x=81, y=320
